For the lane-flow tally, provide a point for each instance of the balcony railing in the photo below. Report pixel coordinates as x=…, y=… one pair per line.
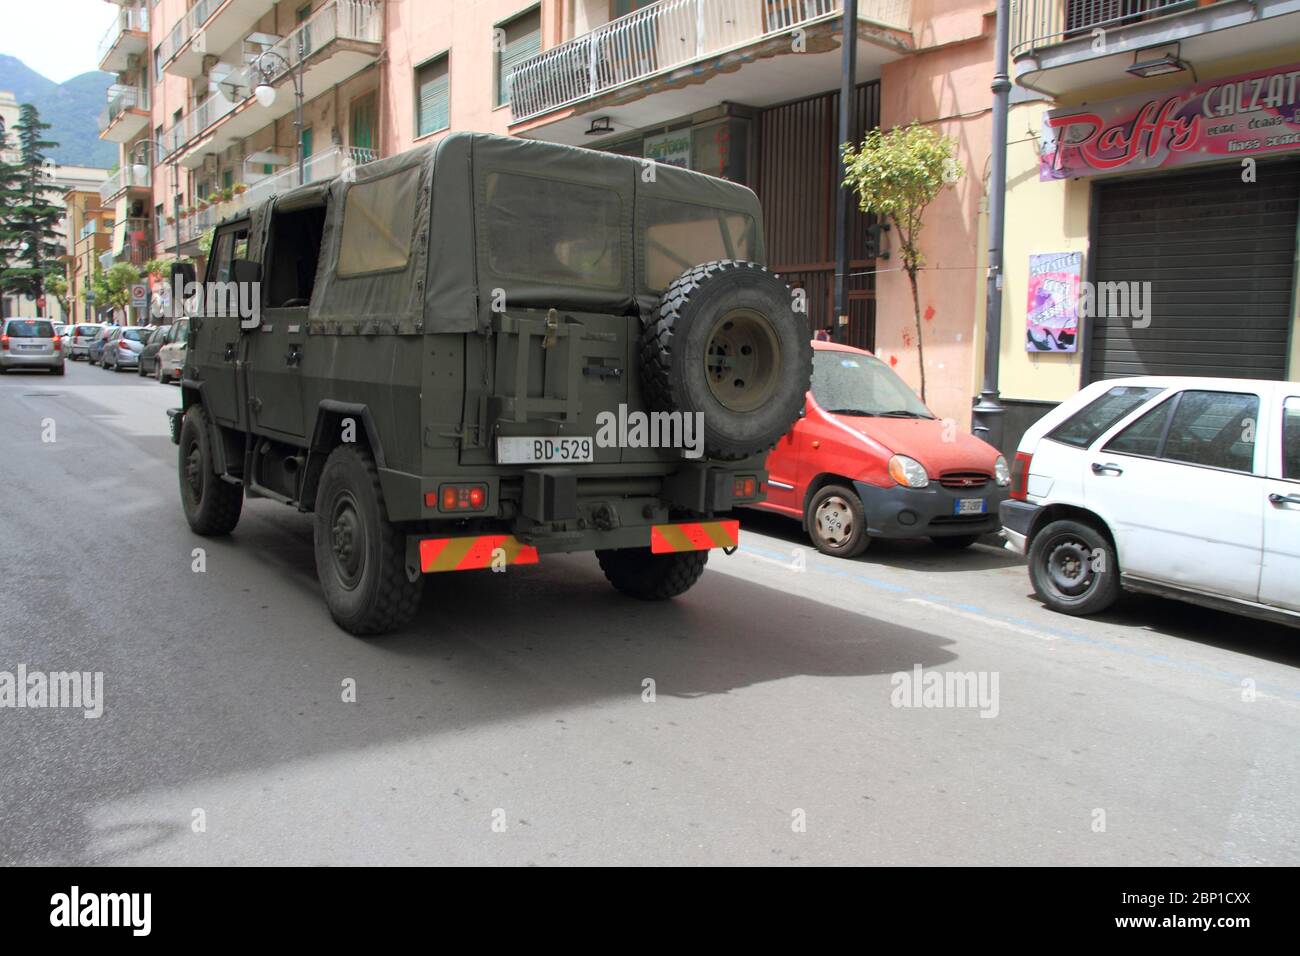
x=124, y=178
x=1040, y=23
x=128, y=19
x=186, y=27
x=340, y=19
x=132, y=241
x=121, y=98
x=89, y=228
x=664, y=36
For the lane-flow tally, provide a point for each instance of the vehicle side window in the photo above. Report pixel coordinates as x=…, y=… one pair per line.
x=294, y=254
x=228, y=246
x=1291, y=439
x=1216, y=429
x=1145, y=435
x=378, y=224
x=1097, y=417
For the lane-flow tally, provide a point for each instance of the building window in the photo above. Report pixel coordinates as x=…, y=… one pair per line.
x=432, y=99
x=157, y=65
x=513, y=42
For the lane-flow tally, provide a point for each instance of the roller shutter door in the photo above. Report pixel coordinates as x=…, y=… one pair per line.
x=1221, y=257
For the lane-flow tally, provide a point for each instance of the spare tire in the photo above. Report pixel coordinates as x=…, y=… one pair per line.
x=728, y=343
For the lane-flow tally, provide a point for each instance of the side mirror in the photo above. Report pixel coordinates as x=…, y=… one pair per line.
x=183, y=269
x=245, y=270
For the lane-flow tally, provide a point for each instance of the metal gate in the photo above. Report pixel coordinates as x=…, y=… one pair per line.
x=1219, y=255
x=798, y=159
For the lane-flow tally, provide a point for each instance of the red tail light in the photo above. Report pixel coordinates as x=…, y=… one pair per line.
x=457, y=498
x=4, y=342
x=744, y=486
x=58, y=344
x=1020, y=476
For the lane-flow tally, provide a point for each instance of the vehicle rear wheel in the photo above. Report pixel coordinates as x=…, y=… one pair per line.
x=1073, y=568
x=837, y=522
x=59, y=370
x=956, y=542
x=159, y=373
x=639, y=573
x=360, y=554
x=728, y=345
x=212, y=506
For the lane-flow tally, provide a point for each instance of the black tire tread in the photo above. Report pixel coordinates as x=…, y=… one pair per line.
x=652, y=577
x=218, y=513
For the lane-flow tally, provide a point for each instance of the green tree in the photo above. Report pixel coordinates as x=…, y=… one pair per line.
x=10, y=196
x=896, y=175
x=113, y=288
x=56, y=284
x=29, y=218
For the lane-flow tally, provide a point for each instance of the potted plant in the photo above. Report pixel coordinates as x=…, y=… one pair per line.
x=228, y=194
x=239, y=189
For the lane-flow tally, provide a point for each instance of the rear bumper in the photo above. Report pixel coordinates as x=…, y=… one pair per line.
x=18, y=360
x=432, y=555
x=900, y=512
x=1017, y=518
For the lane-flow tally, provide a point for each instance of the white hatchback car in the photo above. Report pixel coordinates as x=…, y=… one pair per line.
x=1183, y=487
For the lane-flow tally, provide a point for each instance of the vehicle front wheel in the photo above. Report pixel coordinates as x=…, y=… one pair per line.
x=212, y=506
x=360, y=554
x=837, y=522
x=1073, y=568
x=956, y=542
x=639, y=573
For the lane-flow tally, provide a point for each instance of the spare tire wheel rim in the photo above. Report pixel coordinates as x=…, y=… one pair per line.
x=742, y=360
x=834, y=521
x=347, y=540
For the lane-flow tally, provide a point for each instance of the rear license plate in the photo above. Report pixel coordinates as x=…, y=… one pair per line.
x=969, y=506
x=33, y=348
x=527, y=451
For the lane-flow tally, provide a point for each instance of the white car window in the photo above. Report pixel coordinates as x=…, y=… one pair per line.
x=1215, y=429
x=1145, y=436
x=1291, y=439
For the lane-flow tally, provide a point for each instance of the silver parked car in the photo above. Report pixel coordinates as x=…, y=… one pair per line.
x=123, y=347
x=30, y=343
x=83, y=333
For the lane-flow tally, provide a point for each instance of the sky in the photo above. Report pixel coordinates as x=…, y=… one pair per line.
x=57, y=38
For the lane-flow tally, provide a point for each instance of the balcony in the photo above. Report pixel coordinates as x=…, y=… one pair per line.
x=126, y=115
x=657, y=53
x=133, y=241
x=125, y=178
x=127, y=36
x=209, y=28
x=338, y=41
x=320, y=166
x=1060, y=46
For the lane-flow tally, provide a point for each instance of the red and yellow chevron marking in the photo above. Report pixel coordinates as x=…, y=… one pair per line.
x=695, y=536
x=472, y=553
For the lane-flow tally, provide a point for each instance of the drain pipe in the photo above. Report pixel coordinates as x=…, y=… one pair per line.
x=848, y=100
x=989, y=414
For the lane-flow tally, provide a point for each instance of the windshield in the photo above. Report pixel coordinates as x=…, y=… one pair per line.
x=87, y=330
x=849, y=383
x=136, y=335
x=30, y=329
x=182, y=333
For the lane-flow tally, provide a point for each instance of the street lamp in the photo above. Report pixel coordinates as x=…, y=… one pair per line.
x=267, y=65
x=139, y=158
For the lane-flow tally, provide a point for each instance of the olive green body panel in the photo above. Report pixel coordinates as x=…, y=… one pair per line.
x=432, y=325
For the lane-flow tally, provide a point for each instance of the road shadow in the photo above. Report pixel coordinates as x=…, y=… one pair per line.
x=905, y=554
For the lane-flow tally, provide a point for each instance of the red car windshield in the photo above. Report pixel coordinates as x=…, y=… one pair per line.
x=848, y=383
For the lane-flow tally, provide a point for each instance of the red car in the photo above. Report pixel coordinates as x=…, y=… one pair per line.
x=869, y=460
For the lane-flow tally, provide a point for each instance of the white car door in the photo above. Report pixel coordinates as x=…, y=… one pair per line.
x=1180, y=487
x=1279, y=579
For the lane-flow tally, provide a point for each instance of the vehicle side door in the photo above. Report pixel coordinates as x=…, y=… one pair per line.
x=1180, y=489
x=783, y=490
x=218, y=357
x=1279, y=579
x=277, y=346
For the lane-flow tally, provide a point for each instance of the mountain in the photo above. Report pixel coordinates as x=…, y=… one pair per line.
x=71, y=108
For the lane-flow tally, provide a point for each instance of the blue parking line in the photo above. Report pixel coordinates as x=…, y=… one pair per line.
x=1065, y=633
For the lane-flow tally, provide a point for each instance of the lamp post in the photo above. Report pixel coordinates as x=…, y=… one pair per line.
x=268, y=64
x=139, y=157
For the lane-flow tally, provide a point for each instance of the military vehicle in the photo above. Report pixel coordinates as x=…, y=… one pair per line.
x=474, y=353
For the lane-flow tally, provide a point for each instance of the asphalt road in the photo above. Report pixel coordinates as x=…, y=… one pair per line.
x=509, y=723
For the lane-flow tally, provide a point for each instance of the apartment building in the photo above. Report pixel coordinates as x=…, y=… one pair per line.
x=745, y=89
x=1155, y=155
x=90, y=227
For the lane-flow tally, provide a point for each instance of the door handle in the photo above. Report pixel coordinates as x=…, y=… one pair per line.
x=1284, y=499
x=1099, y=469
x=293, y=356
x=229, y=354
